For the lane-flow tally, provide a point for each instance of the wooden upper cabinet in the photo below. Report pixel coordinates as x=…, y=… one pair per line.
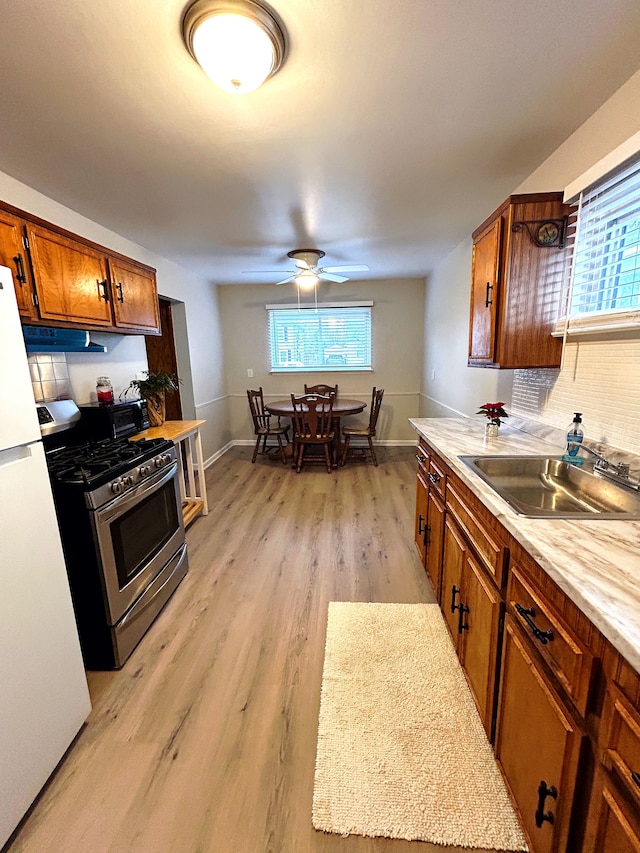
x=135, y=296
x=519, y=279
x=71, y=279
x=13, y=255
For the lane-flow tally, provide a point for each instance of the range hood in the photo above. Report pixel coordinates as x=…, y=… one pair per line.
x=47, y=339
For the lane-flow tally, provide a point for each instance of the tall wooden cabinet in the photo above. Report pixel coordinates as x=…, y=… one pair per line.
x=519, y=279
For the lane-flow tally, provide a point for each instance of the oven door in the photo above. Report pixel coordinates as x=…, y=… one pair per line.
x=137, y=534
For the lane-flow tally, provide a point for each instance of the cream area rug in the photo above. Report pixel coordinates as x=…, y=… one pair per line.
x=402, y=752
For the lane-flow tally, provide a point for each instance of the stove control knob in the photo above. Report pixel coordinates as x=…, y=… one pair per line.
x=128, y=480
x=144, y=470
x=158, y=461
x=166, y=459
x=116, y=487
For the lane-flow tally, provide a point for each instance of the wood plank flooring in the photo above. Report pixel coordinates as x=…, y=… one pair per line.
x=205, y=741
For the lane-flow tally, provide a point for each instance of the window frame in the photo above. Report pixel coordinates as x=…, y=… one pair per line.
x=323, y=308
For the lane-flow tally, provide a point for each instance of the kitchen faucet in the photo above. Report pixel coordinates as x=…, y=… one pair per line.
x=618, y=472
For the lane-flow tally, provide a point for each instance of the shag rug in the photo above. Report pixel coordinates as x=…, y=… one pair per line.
x=402, y=752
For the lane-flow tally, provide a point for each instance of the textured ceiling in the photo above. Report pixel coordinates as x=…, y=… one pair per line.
x=392, y=130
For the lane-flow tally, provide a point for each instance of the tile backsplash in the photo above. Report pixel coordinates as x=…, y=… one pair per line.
x=600, y=378
x=49, y=376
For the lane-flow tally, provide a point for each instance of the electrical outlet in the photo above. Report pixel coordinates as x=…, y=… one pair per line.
x=141, y=374
x=433, y=374
x=250, y=372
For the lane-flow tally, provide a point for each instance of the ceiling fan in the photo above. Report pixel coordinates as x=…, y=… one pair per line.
x=308, y=271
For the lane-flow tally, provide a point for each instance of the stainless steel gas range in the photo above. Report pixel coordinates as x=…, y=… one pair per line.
x=118, y=507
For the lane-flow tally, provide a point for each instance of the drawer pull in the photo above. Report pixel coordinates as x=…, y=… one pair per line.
x=543, y=793
x=434, y=478
x=528, y=616
x=421, y=459
x=636, y=778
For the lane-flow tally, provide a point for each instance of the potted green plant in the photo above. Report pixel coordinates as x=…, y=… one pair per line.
x=154, y=388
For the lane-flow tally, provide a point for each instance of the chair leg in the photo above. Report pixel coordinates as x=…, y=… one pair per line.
x=256, y=448
x=327, y=456
x=345, y=450
x=373, y=453
x=281, y=446
x=300, y=455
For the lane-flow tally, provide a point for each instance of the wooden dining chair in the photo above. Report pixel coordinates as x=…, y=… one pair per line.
x=312, y=425
x=263, y=428
x=324, y=390
x=367, y=432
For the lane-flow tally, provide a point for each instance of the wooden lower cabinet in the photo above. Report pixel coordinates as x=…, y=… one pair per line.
x=613, y=826
x=473, y=610
x=420, y=533
x=434, y=541
x=538, y=746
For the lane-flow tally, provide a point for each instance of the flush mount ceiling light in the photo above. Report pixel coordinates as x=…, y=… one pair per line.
x=238, y=43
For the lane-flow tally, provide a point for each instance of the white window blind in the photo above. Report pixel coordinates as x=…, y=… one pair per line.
x=606, y=261
x=322, y=339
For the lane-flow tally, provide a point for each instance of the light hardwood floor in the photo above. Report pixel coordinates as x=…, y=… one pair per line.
x=205, y=741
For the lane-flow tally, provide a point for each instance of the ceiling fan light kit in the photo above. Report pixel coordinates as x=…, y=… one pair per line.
x=238, y=43
x=308, y=272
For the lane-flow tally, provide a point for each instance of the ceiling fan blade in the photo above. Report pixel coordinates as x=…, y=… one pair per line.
x=287, y=280
x=327, y=276
x=302, y=265
x=348, y=268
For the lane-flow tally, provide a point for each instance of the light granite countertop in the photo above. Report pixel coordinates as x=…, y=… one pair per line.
x=596, y=562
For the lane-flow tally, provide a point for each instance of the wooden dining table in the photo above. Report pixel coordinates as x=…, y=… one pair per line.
x=342, y=407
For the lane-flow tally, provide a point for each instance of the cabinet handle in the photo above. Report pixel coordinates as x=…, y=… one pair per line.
x=102, y=286
x=434, y=478
x=462, y=625
x=636, y=778
x=20, y=267
x=119, y=289
x=454, y=592
x=421, y=529
x=543, y=793
x=529, y=615
x=420, y=458
x=488, y=301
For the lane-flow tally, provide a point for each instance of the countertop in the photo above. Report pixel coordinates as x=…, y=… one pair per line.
x=594, y=561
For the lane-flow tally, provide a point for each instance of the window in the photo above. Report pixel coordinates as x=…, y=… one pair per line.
x=329, y=337
x=606, y=263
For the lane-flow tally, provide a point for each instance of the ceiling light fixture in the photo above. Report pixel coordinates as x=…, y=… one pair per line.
x=238, y=43
x=307, y=279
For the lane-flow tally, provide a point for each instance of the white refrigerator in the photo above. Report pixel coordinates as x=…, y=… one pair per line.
x=44, y=698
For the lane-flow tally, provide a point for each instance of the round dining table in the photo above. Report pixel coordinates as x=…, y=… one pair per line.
x=342, y=406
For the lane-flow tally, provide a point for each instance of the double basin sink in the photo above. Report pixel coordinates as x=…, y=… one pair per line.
x=549, y=487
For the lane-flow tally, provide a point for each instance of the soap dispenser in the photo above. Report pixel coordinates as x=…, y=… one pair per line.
x=574, y=440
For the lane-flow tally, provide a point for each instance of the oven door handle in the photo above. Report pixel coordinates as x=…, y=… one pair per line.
x=124, y=502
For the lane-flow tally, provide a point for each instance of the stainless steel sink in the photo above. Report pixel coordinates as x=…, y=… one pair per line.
x=548, y=487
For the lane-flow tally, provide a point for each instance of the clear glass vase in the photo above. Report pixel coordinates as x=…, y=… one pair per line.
x=491, y=429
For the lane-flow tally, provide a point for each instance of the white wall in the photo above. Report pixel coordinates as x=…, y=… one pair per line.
x=397, y=333
x=601, y=380
x=200, y=358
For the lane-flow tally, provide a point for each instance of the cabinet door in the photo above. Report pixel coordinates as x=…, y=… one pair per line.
x=537, y=746
x=435, y=535
x=135, y=296
x=453, y=559
x=481, y=642
x=13, y=255
x=484, y=293
x=70, y=278
x=420, y=534
x=612, y=826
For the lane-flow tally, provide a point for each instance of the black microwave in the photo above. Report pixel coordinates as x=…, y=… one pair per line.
x=113, y=420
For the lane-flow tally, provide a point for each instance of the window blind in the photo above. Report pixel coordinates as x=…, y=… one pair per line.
x=326, y=338
x=606, y=260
